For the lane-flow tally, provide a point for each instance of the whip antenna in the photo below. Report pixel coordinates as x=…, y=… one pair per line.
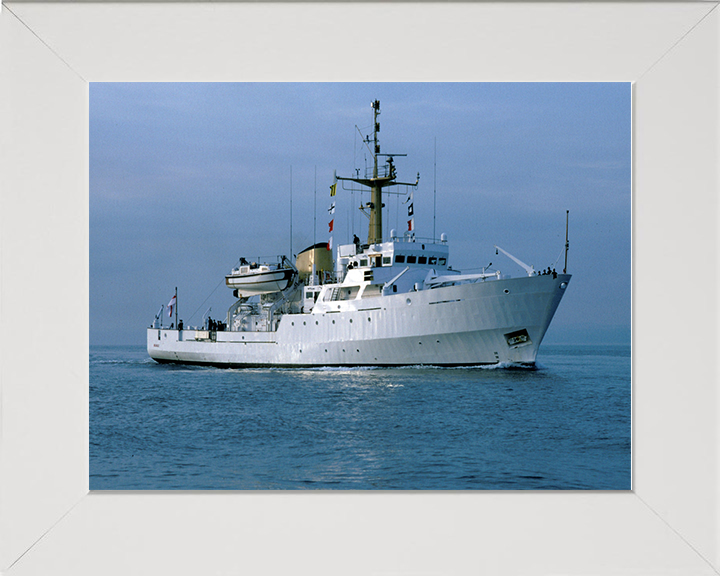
x=434, y=184
x=567, y=244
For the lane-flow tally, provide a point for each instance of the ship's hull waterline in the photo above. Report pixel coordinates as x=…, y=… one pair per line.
x=491, y=322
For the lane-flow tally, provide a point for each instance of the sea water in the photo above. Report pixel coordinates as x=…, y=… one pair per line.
x=563, y=426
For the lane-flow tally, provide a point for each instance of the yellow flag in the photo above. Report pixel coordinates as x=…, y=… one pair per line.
x=332, y=189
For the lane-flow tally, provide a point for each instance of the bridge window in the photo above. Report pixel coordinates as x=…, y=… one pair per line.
x=422, y=260
x=432, y=261
x=442, y=261
x=411, y=259
x=386, y=260
x=400, y=259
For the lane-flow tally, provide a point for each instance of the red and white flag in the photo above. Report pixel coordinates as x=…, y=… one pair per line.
x=171, y=305
x=331, y=224
x=329, y=244
x=411, y=224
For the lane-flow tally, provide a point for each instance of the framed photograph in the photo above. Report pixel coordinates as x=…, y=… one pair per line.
x=49, y=520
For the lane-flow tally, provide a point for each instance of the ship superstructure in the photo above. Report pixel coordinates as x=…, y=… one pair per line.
x=386, y=302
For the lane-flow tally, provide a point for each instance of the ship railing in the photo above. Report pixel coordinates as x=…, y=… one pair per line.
x=417, y=239
x=362, y=247
x=383, y=172
x=327, y=277
x=273, y=262
x=321, y=277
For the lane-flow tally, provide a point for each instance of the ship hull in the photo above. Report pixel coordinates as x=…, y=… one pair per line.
x=502, y=321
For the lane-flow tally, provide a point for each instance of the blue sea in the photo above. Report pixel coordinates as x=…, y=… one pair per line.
x=563, y=426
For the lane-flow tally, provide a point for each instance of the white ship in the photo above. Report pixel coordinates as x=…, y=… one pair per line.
x=387, y=302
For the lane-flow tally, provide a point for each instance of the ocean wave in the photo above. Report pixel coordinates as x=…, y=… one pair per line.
x=136, y=361
x=498, y=366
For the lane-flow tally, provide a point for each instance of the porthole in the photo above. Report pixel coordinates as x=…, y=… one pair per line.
x=563, y=285
x=408, y=301
x=368, y=319
x=333, y=321
x=304, y=324
x=316, y=322
x=292, y=323
x=506, y=291
x=350, y=320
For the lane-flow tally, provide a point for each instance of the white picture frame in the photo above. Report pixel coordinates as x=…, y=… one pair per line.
x=49, y=522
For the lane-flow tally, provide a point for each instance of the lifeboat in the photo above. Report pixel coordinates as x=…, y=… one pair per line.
x=252, y=279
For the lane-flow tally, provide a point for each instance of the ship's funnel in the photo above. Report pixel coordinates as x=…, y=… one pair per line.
x=318, y=255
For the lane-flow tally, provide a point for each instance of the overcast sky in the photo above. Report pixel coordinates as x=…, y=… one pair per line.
x=186, y=178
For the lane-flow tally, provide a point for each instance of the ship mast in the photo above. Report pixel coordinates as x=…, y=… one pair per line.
x=375, y=227
x=377, y=182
